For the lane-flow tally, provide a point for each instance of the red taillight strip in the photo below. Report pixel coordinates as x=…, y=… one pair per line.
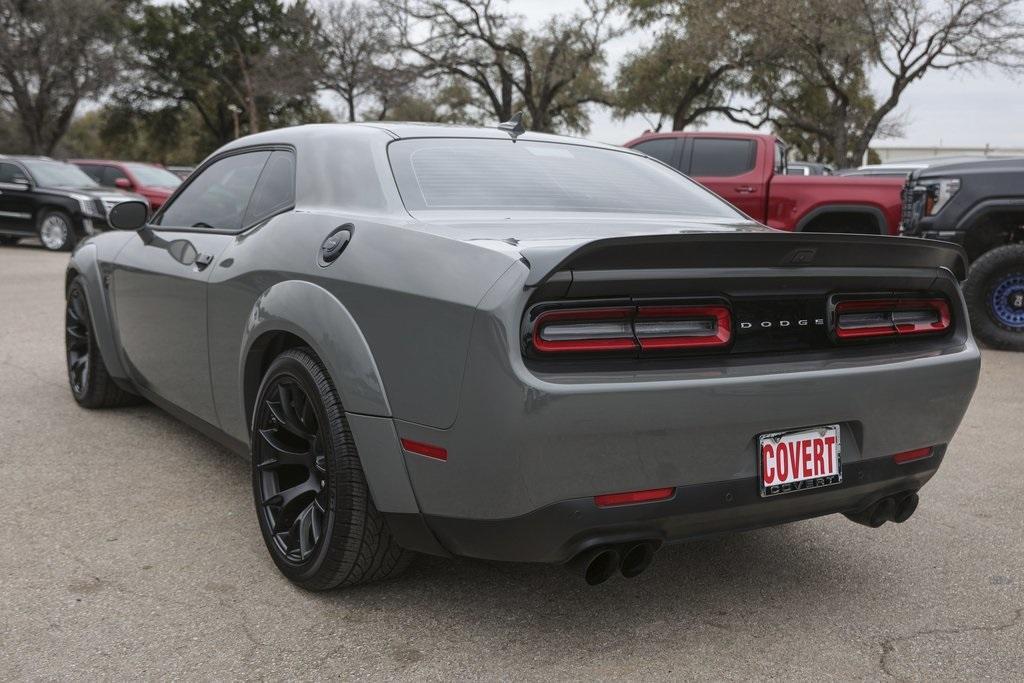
x=583, y=314
x=891, y=326
x=425, y=449
x=910, y=456
x=719, y=315
x=630, y=497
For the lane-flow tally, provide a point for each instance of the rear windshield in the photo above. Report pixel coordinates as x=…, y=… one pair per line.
x=453, y=174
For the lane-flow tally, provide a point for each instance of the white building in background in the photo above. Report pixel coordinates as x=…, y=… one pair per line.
x=892, y=154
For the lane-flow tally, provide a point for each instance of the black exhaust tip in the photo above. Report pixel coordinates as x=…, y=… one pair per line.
x=636, y=559
x=874, y=515
x=905, y=507
x=595, y=565
x=883, y=512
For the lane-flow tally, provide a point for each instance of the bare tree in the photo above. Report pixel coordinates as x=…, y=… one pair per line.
x=362, y=59
x=53, y=55
x=819, y=86
x=552, y=72
x=911, y=37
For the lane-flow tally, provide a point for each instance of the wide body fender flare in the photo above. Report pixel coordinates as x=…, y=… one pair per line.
x=85, y=263
x=314, y=315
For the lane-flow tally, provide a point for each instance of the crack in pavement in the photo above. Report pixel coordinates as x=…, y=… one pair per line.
x=889, y=644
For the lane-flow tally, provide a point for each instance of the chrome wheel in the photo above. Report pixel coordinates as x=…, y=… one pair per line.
x=292, y=469
x=54, y=232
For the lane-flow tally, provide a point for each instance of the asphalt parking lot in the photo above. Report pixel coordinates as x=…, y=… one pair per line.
x=130, y=549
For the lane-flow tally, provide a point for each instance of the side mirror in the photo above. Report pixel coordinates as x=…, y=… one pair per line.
x=128, y=215
x=123, y=183
x=21, y=180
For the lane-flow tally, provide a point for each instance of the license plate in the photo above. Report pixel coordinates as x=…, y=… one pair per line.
x=799, y=459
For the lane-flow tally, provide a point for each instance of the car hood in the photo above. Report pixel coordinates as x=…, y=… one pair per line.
x=977, y=167
x=94, y=192
x=154, y=191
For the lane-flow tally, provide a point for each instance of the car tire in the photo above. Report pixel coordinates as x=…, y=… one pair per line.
x=55, y=230
x=995, y=297
x=314, y=507
x=91, y=384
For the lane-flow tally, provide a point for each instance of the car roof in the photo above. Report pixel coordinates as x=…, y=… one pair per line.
x=27, y=157
x=396, y=130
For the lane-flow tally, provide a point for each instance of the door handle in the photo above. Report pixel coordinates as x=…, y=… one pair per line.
x=744, y=189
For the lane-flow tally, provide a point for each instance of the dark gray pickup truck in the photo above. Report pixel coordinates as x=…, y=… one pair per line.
x=979, y=205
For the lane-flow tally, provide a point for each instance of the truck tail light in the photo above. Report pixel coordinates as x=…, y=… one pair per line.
x=893, y=317
x=630, y=328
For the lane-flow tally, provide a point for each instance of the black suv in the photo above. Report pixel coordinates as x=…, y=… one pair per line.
x=979, y=205
x=53, y=200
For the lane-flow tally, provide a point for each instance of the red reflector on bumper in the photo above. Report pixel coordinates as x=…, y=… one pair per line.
x=649, y=496
x=435, y=452
x=910, y=456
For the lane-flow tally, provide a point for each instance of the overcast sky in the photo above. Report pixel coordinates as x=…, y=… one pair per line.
x=953, y=110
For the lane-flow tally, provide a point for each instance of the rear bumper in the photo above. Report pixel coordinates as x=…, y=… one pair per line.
x=557, y=532
x=531, y=447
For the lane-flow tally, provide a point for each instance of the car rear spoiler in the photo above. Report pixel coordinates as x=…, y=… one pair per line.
x=745, y=250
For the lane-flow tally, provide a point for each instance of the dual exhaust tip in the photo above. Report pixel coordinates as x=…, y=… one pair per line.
x=898, y=508
x=599, y=564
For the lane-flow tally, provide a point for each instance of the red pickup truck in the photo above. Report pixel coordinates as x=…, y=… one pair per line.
x=749, y=170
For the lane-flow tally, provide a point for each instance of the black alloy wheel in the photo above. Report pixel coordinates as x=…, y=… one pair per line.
x=292, y=487
x=78, y=341
x=312, y=501
x=91, y=384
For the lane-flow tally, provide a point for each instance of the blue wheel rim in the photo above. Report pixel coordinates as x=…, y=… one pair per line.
x=1006, y=300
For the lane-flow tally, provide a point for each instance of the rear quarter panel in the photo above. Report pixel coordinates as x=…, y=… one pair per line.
x=408, y=296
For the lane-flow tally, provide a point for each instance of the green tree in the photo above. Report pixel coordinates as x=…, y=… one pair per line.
x=240, y=65
x=698, y=63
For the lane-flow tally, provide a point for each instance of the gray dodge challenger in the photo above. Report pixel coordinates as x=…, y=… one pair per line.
x=514, y=346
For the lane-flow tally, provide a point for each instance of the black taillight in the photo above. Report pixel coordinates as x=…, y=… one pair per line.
x=896, y=316
x=631, y=328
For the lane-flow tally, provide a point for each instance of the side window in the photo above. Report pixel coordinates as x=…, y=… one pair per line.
x=275, y=190
x=8, y=173
x=719, y=157
x=218, y=196
x=662, y=149
x=111, y=174
x=93, y=171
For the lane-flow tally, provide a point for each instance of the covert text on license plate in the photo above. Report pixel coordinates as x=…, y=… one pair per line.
x=799, y=459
